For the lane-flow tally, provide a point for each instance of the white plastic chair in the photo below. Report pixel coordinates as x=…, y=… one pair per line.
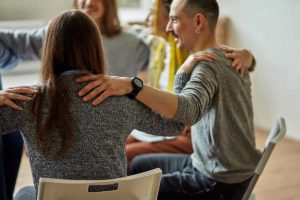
x=276, y=135
x=143, y=186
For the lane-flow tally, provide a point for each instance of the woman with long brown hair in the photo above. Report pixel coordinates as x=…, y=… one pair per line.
x=65, y=137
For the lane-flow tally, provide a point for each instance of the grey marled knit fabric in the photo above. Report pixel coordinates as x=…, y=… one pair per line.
x=100, y=135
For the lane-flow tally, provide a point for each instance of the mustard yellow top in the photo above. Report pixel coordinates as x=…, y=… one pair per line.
x=158, y=55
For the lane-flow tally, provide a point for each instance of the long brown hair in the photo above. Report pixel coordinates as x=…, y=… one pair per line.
x=110, y=24
x=73, y=42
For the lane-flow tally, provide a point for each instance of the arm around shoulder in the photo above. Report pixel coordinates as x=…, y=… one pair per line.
x=197, y=95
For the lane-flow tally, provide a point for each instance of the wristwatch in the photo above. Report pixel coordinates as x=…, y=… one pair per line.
x=137, y=85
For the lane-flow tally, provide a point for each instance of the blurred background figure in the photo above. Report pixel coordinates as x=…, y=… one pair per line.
x=127, y=54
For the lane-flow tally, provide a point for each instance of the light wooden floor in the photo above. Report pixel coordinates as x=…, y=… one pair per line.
x=279, y=181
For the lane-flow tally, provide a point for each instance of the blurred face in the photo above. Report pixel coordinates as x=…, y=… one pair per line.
x=181, y=26
x=94, y=8
x=162, y=17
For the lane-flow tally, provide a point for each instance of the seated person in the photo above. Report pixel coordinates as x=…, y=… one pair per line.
x=65, y=137
x=165, y=59
x=11, y=145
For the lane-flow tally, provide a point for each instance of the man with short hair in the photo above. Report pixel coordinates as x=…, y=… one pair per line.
x=224, y=155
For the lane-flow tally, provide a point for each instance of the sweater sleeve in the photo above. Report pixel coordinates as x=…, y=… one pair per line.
x=26, y=44
x=197, y=94
x=147, y=121
x=10, y=119
x=8, y=59
x=180, y=81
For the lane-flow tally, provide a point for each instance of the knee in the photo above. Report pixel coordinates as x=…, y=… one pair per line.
x=138, y=165
x=26, y=193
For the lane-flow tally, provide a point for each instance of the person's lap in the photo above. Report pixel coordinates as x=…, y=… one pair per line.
x=26, y=193
x=179, y=179
x=180, y=145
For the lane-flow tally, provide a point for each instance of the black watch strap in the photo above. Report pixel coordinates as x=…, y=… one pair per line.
x=137, y=85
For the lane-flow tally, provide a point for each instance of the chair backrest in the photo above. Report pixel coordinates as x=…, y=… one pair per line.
x=143, y=186
x=276, y=135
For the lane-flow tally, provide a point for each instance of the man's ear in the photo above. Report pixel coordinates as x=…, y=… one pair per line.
x=199, y=22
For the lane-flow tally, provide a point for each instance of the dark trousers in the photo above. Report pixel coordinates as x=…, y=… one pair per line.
x=11, y=146
x=180, y=180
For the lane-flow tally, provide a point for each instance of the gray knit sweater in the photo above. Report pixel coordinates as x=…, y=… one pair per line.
x=217, y=100
x=100, y=135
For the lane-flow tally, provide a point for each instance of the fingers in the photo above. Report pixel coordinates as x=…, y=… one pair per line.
x=241, y=71
x=91, y=77
x=231, y=55
x=227, y=49
x=6, y=99
x=90, y=87
x=236, y=63
x=8, y=102
x=238, y=66
x=103, y=96
x=22, y=90
x=18, y=97
x=96, y=91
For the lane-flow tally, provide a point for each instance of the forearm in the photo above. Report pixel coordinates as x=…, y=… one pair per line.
x=26, y=44
x=159, y=101
x=8, y=59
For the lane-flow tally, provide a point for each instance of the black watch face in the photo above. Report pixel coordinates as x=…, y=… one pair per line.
x=138, y=82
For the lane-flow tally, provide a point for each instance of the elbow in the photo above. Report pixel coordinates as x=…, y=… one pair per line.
x=169, y=114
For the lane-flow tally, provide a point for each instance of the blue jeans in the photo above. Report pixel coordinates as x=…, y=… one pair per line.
x=180, y=180
x=26, y=193
x=11, y=147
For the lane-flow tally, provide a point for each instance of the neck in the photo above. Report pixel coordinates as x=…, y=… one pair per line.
x=205, y=42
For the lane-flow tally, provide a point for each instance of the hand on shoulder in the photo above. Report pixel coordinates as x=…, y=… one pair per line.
x=17, y=93
x=102, y=86
x=190, y=62
x=242, y=59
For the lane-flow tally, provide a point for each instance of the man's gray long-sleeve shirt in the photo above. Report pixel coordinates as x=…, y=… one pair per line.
x=217, y=101
x=100, y=134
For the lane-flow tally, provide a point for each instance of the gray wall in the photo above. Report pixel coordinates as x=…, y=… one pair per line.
x=271, y=30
